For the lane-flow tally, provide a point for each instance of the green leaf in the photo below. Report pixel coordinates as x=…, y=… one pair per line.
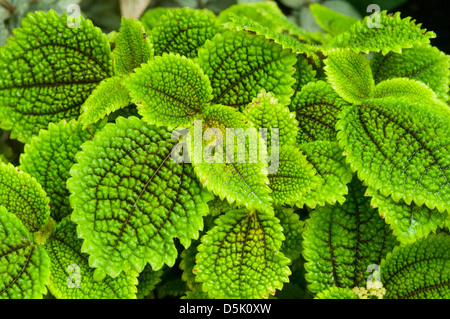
x=23, y=196
x=265, y=112
x=304, y=73
x=405, y=88
x=25, y=267
x=341, y=241
x=316, y=109
x=183, y=31
x=170, y=90
x=148, y=279
x=238, y=168
x=349, y=74
x=408, y=222
x=292, y=231
x=49, y=157
x=49, y=70
x=239, y=65
x=130, y=198
x=72, y=278
x=331, y=21
x=241, y=258
x=326, y=157
x=132, y=47
x=109, y=96
x=294, y=178
x=393, y=34
x=400, y=148
x=287, y=41
x=336, y=293
x=151, y=17
x=418, y=271
x=423, y=63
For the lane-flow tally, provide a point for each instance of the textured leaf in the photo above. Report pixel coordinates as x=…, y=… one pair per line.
x=48, y=72
x=239, y=65
x=67, y=263
x=49, y=157
x=294, y=178
x=148, y=279
x=23, y=196
x=170, y=90
x=341, y=241
x=423, y=63
x=326, y=157
x=237, y=171
x=24, y=266
x=267, y=14
x=400, y=148
x=331, y=21
x=130, y=198
x=304, y=73
x=316, y=109
x=265, y=112
x=151, y=17
x=132, y=47
x=405, y=88
x=394, y=34
x=183, y=30
x=336, y=293
x=109, y=96
x=240, y=257
x=287, y=41
x=418, y=271
x=349, y=74
x=408, y=222
x=292, y=231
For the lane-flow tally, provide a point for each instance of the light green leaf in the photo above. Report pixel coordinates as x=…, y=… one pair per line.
x=349, y=74
x=132, y=47
x=183, y=31
x=408, y=222
x=331, y=21
x=130, y=198
x=239, y=65
x=287, y=41
x=393, y=34
x=326, y=157
x=49, y=157
x=25, y=267
x=400, y=148
x=23, y=196
x=341, y=241
x=405, y=88
x=423, y=63
x=266, y=113
x=294, y=178
x=230, y=158
x=109, y=96
x=170, y=90
x=241, y=258
x=418, y=271
x=316, y=109
x=48, y=72
x=72, y=278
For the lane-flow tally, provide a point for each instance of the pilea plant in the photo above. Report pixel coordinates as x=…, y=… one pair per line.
x=131, y=184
